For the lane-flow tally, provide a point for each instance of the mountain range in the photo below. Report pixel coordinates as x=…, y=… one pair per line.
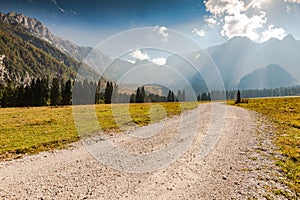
x=239, y=61
x=241, y=56
x=37, y=29
x=26, y=53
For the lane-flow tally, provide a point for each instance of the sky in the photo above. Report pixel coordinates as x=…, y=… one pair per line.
x=208, y=22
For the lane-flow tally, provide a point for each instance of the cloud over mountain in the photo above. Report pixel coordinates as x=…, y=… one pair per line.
x=248, y=18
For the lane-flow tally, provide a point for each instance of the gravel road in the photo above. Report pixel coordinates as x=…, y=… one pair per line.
x=222, y=152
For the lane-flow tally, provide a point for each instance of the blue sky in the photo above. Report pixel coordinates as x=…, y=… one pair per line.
x=100, y=19
x=210, y=22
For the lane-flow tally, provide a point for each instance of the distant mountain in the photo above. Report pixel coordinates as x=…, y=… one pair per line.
x=37, y=29
x=240, y=56
x=223, y=64
x=271, y=76
x=24, y=56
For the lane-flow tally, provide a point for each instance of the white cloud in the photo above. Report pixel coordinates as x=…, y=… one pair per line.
x=272, y=32
x=200, y=33
x=162, y=31
x=159, y=61
x=246, y=18
x=292, y=1
x=139, y=55
x=219, y=7
x=242, y=25
x=211, y=21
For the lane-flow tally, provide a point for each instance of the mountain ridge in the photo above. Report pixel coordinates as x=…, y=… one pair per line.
x=21, y=58
x=24, y=57
x=38, y=29
x=271, y=76
x=240, y=56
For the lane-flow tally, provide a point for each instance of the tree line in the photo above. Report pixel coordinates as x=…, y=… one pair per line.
x=42, y=92
x=37, y=93
x=251, y=93
x=140, y=96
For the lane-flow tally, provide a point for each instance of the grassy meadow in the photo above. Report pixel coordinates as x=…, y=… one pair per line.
x=35, y=129
x=285, y=112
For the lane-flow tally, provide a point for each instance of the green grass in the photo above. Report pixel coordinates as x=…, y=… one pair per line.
x=285, y=112
x=32, y=130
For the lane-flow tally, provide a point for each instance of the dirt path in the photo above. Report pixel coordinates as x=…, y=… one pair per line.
x=227, y=159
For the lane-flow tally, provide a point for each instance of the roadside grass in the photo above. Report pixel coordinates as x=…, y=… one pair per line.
x=285, y=112
x=32, y=130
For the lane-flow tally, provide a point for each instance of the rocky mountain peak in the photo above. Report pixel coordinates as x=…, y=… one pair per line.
x=31, y=24
x=39, y=30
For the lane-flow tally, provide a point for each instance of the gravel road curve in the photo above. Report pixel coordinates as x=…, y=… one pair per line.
x=237, y=164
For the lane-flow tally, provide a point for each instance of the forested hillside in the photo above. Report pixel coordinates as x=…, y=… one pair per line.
x=26, y=57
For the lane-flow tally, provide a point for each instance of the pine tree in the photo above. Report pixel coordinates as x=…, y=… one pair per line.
x=98, y=93
x=208, y=96
x=204, y=96
x=143, y=94
x=132, y=98
x=4, y=99
x=35, y=92
x=44, y=91
x=115, y=95
x=20, y=96
x=170, y=97
x=40, y=92
x=85, y=92
x=183, y=96
x=28, y=101
x=55, y=93
x=92, y=91
x=62, y=88
x=77, y=95
x=10, y=97
x=66, y=93
x=238, y=97
x=179, y=96
x=140, y=94
x=108, y=93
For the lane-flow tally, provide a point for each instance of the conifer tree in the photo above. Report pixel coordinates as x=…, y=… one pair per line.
x=55, y=93
x=67, y=93
x=108, y=92
x=132, y=98
x=140, y=95
x=170, y=97
x=238, y=97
